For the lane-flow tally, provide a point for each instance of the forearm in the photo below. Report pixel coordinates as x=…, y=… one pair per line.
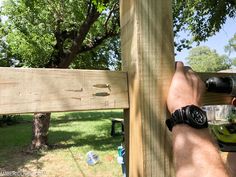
x=196, y=154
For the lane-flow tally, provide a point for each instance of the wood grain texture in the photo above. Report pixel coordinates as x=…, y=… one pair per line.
x=53, y=90
x=147, y=53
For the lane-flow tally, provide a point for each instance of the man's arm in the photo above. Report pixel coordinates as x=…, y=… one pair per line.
x=195, y=152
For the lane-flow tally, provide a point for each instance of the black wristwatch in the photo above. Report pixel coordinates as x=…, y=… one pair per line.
x=190, y=115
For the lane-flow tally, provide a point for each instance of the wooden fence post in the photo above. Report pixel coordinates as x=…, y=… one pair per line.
x=147, y=52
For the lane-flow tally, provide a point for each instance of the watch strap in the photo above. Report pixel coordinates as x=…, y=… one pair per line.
x=182, y=116
x=177, y=117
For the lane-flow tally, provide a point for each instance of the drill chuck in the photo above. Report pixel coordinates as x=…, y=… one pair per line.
x=222, y=85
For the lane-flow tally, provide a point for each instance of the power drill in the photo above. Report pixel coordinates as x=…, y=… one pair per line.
x=225, y=132
x=222, y=85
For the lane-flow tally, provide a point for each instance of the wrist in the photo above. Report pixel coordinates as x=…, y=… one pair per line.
x=190, y=115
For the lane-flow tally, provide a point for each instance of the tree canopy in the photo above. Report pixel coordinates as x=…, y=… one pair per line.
x=203, y=59
x=54, y=33
x=231, y=48
x=85, y=33
x=200, y=19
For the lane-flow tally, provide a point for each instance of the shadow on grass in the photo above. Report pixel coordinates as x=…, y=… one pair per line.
x=86, y=116
x=94, y=142
x=14, y=141
x=15, y=161
x=69, y=130
x=97, y=138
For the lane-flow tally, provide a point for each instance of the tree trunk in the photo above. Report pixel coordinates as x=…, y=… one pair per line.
x=42, y=120
x=40, y=128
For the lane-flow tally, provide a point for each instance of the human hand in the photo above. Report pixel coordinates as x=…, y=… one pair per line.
x=186, y=88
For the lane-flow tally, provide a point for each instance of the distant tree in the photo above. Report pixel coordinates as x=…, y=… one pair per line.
x=231, y=46
x=203, y=59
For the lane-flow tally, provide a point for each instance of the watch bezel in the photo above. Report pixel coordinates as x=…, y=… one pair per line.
x=193, y=119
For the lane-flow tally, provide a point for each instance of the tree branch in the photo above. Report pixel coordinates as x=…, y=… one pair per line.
x=98, y=41
x=77, y=42
x=113, y=9
x=89, y=7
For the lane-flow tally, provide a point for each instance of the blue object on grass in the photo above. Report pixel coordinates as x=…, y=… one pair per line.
x=121, y=159
x=92, y=158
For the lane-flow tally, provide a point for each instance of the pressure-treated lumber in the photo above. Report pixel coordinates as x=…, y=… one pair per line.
x=52, y=90
x=147, y=53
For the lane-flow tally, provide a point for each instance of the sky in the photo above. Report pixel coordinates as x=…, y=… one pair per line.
x=217, y=42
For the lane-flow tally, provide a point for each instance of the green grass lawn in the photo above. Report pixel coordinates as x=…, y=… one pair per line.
x=72, y=136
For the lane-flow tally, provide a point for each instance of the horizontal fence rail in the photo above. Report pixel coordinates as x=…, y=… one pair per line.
x=25, y=90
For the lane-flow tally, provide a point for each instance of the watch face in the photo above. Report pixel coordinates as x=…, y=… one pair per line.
x=197, y=116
